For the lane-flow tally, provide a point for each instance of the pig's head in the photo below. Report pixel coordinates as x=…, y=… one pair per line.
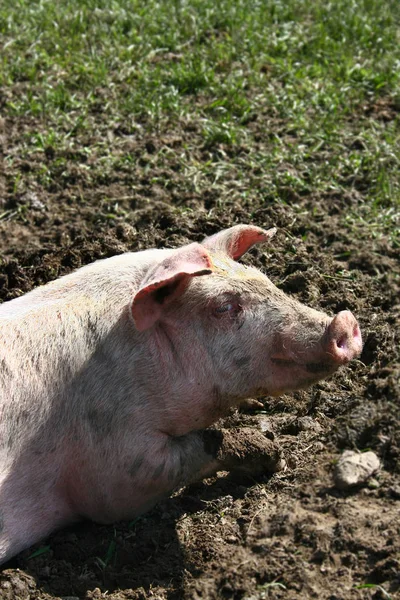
x=221, y=323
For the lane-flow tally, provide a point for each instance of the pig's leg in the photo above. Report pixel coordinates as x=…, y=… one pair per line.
x=175, y=461
x=31, y=507
x=203, y=453
x=22, y=529
x=244, y=449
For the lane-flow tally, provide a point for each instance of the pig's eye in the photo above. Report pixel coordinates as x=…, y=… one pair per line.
x=231, y=309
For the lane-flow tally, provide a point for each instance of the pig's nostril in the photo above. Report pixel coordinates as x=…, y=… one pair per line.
x=341, y=343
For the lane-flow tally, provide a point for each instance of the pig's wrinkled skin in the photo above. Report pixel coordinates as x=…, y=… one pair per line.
x=110, y=376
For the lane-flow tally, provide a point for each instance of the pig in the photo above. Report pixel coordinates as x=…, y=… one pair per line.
x=113, y=376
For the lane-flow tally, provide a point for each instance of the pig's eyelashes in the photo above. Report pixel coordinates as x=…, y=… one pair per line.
x=228, y=307
x=231, y=309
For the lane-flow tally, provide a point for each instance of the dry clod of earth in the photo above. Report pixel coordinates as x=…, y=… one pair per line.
x=355, y=468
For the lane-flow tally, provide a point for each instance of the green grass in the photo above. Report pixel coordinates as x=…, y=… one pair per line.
x=290, y=98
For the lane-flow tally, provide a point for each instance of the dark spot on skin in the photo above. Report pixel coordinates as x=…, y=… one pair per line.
x=243, y=361
x=135, y=466
x=92, y=332
x=35, y=362
x=318, y=367
x=4, y=368
x=222, y=404
x=14, y=423
x=92, y=417
x=100, y=421
x=281, y=362
x=216, y=394
x=158, y=470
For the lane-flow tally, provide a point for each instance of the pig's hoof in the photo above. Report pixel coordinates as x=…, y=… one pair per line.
x=247, y=451
x=250, y=405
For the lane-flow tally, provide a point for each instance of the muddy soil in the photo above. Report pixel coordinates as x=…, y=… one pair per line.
x=291, y=535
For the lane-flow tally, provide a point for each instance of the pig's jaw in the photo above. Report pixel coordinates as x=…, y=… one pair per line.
x=290, y=375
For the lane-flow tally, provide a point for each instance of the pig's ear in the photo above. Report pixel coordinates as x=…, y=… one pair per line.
x=236, y=240
x=166, y=282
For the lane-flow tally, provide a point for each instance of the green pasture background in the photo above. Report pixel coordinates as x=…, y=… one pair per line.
x=309, y=88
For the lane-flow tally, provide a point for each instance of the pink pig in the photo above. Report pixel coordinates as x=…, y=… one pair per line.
x=111, y=376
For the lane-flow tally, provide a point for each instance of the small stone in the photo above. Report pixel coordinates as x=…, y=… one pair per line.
x=355, y=468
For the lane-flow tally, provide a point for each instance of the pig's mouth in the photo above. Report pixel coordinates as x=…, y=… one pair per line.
x=320, y=368
x=314, y=368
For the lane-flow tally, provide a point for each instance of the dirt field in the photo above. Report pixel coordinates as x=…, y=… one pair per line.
x=289, y=536
x=91, y=170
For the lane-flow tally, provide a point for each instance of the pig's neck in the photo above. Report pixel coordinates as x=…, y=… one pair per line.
x=184, y=381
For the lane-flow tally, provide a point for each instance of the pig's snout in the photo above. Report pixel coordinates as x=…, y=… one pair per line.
x=340, y=343
x=343, y=338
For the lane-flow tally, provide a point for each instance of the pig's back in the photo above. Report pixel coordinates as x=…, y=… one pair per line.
x=113, y=278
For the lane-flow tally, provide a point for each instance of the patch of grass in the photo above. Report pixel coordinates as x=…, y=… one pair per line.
x=39, y=552
x=279, y=100
x=263, y=590
x=375, y=587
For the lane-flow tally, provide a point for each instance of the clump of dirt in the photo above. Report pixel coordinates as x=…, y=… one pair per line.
x=288, y=535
